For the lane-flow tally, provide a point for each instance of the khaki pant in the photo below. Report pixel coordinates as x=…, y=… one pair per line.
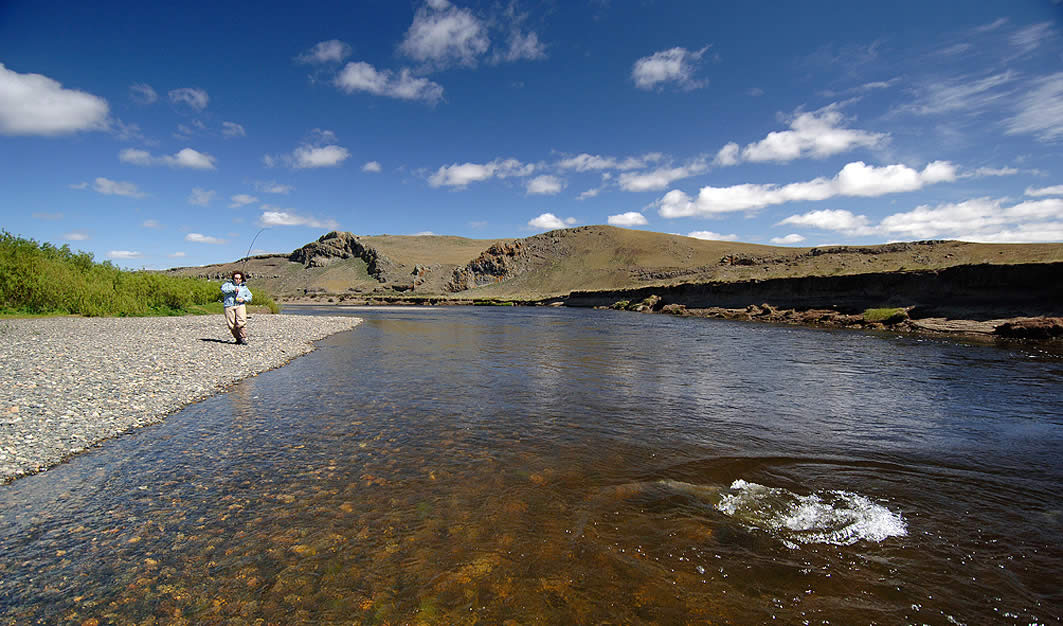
x=236, y=319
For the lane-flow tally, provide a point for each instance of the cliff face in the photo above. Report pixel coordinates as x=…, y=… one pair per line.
x=342, y=245
x=500, y=262
x=1031, y=289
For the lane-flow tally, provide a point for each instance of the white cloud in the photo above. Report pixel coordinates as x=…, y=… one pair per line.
x=832, y=219
x=980, y=219
x=272, y=187
x=110, y=187
x=32, y=104
x=194, y=97
x=711, y=236
x=817, y=134
x=1028, y=39
x=123, y=254
x=855, y=179
x=404, y=86
x=1040, y=110
x=198, y=238
x=142, y=93
x=323, y=156
x=728, y=155
x=660, y=178
x=790, y=239
x=549, y=221
x=961, y=94
x=242, y=199
x=460, y=175
x=186, y=158
x=77, y=235
x=1055, y=190
x=232, y=129
x=631, y=218
x=176, y=255
x=992, y=171
x=371, y=166
x=522, y=46
x=545, y=185
x=151, y=224
x=201, y=197
x=587, y=162
x=675, y=65
x=590, y=193
x=275, y=216
x=331, y=51
x=442, y=35
x=424, y=233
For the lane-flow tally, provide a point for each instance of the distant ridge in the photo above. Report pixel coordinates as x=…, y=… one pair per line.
x=585, y=258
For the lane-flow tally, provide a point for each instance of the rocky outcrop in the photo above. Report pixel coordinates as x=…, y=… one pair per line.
x=500, y=262
x=343, y=245
x=1038, y=328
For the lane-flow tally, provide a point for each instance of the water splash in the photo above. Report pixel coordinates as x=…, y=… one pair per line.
x=835, y=517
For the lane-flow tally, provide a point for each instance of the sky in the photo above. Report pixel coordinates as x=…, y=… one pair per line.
x=157, y=135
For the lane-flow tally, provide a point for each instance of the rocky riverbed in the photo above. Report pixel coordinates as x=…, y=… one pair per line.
x=69, y=383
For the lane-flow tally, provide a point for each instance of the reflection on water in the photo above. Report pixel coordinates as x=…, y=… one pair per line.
x=553, y=466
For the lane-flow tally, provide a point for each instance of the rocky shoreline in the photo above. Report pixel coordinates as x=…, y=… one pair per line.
x=68, y=383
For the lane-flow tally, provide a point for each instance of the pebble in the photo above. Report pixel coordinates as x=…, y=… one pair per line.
x=67, y=383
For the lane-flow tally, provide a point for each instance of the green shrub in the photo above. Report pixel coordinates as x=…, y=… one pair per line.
x=886, y=316
x=40, y=278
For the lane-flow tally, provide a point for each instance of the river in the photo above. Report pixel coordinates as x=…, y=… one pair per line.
x=477, y=465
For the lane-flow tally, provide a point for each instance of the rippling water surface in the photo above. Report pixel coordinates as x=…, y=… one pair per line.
x=468, y=465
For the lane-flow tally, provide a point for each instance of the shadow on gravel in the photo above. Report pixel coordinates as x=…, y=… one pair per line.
x=216, y=340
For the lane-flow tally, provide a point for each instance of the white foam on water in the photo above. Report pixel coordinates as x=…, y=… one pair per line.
x=835, y=517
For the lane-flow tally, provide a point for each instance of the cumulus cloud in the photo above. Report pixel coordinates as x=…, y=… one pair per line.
x=816, y=134
x=275, y=216
x=110, y=187
x=200, y=197
x=790, y=239
x=460, y=175
x=232, y=129
x=1055, y=190
x=711, y=236
x=676, y=65
x=545, y=185
x=631, y=218
x=123, y=254
x=32, y=104
x=404, y=85
x=331, y=51
x=186, y=158
x=1040, y=110
x=660, y=178
x=522, y=46
x=587, y=162
x=443, y=34
x=142, y=93
x=200, y=238
x=549, y=221
x=371, y=166
x=242, y=199
x=194, y=97
x=320, y=150
x=981, y=219
x=855, y=179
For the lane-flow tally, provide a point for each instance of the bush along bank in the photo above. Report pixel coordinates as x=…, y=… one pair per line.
x=44, y=279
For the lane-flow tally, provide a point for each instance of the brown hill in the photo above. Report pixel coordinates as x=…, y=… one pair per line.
x=585, y=258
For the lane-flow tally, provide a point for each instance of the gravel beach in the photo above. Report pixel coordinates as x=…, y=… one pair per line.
x=67, y=383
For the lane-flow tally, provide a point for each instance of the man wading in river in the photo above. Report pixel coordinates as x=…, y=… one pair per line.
x=236, y=295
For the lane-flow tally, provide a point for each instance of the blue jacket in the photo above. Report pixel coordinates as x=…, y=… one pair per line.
x=232, y=292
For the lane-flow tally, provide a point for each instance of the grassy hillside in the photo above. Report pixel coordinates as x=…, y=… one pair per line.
x=592, y=258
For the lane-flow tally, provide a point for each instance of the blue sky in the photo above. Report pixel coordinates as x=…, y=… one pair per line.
x=164, y=134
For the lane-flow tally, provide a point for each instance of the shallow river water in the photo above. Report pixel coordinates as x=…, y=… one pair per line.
x=476, y=465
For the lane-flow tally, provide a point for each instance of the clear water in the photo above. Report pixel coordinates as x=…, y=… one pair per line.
x=476, y=465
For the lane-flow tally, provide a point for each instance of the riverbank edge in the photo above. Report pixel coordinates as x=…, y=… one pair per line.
x=43, y=458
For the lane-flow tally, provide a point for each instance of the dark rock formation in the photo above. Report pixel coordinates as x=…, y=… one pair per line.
x=343, y=245
x=1039, y=328
x=501, y=261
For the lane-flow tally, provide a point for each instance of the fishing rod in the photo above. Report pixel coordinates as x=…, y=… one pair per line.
x=248, y=255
